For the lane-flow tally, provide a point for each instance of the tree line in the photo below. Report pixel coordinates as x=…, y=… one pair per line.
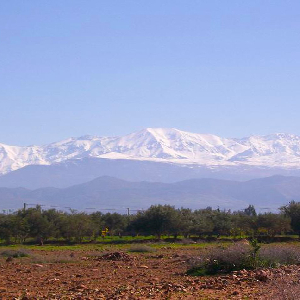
x=158, y=220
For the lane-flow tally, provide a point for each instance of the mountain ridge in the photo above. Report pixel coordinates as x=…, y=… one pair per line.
x=110, y=192
x=168, y=145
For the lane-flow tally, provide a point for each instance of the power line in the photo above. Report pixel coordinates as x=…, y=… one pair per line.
x=128, y=210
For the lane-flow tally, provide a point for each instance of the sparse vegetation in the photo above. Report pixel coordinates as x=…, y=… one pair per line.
x=16, y=253
x=223, y=260
x=141, y=248
x=54, y=258
x=241, y=256
x=279, y=255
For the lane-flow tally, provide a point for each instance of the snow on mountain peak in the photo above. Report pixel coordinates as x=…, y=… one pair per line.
x=164, y=145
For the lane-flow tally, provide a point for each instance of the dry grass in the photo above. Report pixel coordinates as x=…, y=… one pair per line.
x=141, y=248
x=273, y=255
x=222, y=260
x=16, y=253
x=60, y=257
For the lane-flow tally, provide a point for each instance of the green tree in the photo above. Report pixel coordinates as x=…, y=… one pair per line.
x=116, y=223
x=243, y=224
x=182, y=222
x=77, y=226
x=202, y=222
x=20, y=227
x=273, y=224
x=250, y=211
x=6, y=228
x=157, y=220
x=292, y=210
x=222, y=222
x=39, y=226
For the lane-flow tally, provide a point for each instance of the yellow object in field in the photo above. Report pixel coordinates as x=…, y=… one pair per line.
x=104, y=232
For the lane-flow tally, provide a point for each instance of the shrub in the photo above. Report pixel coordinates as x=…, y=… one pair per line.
x=141, y=248
x=271, y=256
x=223, y=260
x=15, y=253
x=243, y=256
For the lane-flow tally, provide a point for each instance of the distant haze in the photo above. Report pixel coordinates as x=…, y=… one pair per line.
x=106, y=192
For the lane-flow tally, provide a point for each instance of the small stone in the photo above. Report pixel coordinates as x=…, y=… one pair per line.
x=143, y=267
x=81, y=287
x=262, y=276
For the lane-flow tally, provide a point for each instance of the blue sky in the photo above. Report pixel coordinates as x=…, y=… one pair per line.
x=69, y=68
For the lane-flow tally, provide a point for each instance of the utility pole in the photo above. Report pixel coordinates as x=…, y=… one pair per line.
x=128, y=211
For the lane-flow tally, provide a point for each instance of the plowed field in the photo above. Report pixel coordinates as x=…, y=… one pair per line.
x=117, y=274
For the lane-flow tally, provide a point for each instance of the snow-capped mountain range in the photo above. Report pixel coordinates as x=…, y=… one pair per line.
x=163, y=145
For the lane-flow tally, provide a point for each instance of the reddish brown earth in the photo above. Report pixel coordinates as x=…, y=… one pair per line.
x=159, y=275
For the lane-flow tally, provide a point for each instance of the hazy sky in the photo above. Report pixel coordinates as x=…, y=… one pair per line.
x=69, y=68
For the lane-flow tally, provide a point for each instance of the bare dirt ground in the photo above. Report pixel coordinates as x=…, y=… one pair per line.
x=158, y=275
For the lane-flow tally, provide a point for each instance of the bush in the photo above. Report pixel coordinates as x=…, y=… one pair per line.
x=243, y=256
x=279, y=255
x=223, y=260
x=141, y=248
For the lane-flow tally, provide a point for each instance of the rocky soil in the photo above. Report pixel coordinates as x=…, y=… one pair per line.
x=122, y=275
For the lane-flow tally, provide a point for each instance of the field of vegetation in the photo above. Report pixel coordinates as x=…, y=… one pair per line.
x=161, y=253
